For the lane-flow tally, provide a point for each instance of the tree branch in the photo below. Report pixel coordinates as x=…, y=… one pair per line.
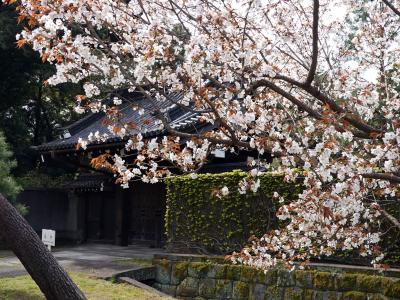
x=392, y=219
x=315, y=92
x=314, y=61
x=392, y=7
x=287, y=95
x=382, y=176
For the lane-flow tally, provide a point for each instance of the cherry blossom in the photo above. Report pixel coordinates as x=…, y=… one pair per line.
x=314, y=84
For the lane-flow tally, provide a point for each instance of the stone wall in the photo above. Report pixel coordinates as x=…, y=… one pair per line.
x=195, y=277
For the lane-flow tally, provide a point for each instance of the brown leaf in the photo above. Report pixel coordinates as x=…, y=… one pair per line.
x=20, y=43
x=44, y=56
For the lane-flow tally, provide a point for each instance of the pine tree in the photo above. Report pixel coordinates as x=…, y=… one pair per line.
x=8, y=186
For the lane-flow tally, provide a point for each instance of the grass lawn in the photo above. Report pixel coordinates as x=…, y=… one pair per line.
x=24, y=288
x=135, y=261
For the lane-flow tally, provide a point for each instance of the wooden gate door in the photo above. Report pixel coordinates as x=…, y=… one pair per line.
x=147, y=212
x=100, y=217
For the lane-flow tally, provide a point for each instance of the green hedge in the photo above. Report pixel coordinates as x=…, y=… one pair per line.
x=38, y=179
x=199, y=221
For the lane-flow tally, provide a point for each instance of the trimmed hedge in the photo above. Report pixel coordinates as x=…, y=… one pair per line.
x=197, y=220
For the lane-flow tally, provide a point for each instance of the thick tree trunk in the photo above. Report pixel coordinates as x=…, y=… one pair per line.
x=53, y=281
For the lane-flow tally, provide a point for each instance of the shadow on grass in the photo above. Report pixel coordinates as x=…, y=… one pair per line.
x=14, y=294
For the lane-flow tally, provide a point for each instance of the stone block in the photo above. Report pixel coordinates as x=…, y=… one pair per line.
x=240, y=290
x=345, y=281
x=369, y=283
x=188, y=288
x=248, y=274
x=167, y=289
x=216, y=271
x=324, y=281
x=294, y=293
x=323, y=295
x=163, y=271
x=257, y=291
x=332, y=295
x=274, y=293
x=207, y=288
x=304, y=279
x=391, y=287
x=260, y=276
x=377, y=297
x=198, y=269
x=354, y=295
x=223, y=289
x=308, y=294
x=285, y=278
x=233, y=272
x=178, y=272
x=271, y=277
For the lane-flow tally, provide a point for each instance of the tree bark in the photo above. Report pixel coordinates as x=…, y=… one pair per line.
x=44, y=269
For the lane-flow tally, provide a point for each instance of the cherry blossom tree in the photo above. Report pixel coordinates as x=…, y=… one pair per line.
x=313, y=83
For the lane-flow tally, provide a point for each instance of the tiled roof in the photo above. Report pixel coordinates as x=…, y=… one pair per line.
x=89, y=182
x=179, y=120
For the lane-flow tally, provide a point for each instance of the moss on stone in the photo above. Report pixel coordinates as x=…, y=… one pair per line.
x=223, y=289
x=163, y=271
x=188, y=288
x=354, y=295
x=324, y=295
x=369, y=284
x=274, y=293
x=240, y=290
x=248, y=274
x=324, y=281
x=206, y=280
x=332, y=295
x=207, y=288
x=304, y=278
x=346, y=282
x=308, y=294
x=377, y=297
x=198, y=269
x=259, y=276
x=285, y=278
x=217, y=271
x=161, y=262
x=233, y=272
x=294, y=293
x=271, y=277
x=179, y=272
x=257, y=291
x=391, y=287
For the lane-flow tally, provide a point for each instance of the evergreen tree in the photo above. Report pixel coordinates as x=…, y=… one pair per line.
x=8, y=186
x=29, y=111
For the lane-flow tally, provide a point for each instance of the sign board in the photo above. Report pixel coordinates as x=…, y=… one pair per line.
x=49, y=237
x=219, y=153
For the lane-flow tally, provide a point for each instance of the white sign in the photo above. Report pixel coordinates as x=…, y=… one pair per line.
x=49, y=237
x=219, y=153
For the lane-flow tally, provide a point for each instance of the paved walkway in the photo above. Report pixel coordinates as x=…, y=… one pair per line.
x=97, y=259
